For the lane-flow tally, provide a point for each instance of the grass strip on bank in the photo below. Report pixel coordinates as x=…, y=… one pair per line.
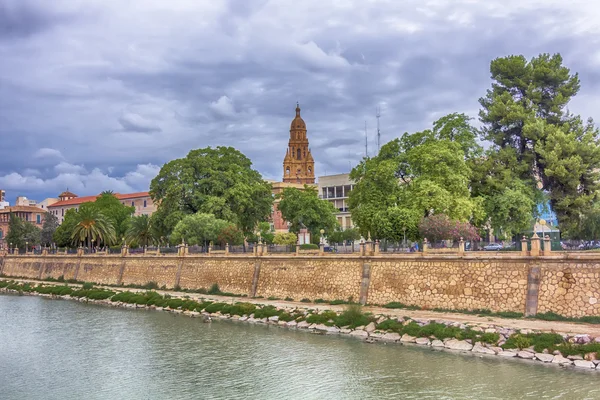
x=352, y=317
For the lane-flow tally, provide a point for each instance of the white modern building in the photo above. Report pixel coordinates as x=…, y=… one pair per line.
x=336, y=189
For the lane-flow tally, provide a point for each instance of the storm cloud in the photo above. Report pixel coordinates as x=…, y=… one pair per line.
x=98, y=94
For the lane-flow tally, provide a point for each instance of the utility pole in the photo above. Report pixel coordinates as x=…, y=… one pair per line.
x=366, y=141
x=377, y=115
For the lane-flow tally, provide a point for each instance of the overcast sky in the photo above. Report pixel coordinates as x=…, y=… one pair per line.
x=98, y=94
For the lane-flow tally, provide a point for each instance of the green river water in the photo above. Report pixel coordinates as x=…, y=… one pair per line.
x=55, y=349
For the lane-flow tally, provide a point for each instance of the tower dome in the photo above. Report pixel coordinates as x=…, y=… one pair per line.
x=297, y=122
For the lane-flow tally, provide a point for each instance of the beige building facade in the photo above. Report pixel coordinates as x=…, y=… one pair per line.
x=336, y=189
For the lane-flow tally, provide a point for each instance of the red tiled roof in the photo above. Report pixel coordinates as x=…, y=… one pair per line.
x=86, y=199
x=31, y=209
x=132, y=195
x=67, y=194
x=73, y=202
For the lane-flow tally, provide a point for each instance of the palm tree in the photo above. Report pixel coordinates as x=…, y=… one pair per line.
x=92, y=226
x=140, y=230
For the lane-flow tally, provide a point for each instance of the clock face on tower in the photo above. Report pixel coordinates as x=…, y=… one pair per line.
x=298, y=157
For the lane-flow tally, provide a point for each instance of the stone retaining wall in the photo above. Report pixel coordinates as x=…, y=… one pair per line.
x=566, y=284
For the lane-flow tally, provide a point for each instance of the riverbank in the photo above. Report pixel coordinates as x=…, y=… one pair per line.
x=478, y=335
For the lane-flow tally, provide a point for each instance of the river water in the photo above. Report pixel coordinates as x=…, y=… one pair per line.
x=54, y=349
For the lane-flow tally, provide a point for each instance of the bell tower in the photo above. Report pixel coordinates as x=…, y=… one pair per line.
x=298, y=164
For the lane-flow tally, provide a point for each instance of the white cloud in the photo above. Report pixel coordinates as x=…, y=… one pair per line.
x=85, y=92
x=223, y=106
x=48, y=153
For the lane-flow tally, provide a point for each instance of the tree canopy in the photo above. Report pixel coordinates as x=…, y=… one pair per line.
x=415, y=176
x=202, y=228
x=303, y=208
x=22, y=232
x=217, y=181
x=48, y=228
x=537, y=145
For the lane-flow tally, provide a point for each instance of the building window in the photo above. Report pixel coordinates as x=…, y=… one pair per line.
x=38, y=219
x=62, y=212
x=1, y=234
x=299, y=154
x=324, y=192
x=331, y=192
x=347, y=190
x=287, y=171
x=133, y=204
x=144, y=203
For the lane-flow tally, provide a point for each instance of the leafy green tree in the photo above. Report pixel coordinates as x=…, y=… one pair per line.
x=228, y=233
x=48, y=228
x=62, y=235
x=303, y=208
x=285, y=238
x=21, y=232
x=198, y=229
x=140, y=231
x=217, y=181
x=91, y=226
x=117, y=213
x=536, y=140
x=415, y=176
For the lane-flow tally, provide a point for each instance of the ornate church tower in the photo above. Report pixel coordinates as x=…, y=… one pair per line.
x=298, y=164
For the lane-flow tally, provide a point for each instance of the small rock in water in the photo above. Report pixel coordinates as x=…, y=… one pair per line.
x=437, y=343
x=544, y=357
x=507, y=354
x=525, y=354
x=575, y=357
x=422, y=341
x=478, y=348
x=359, y=333
x=454, y=344
x=561, y=360
x=584, y=364
x=391, y=337
x=370, y=327
x=407, y=338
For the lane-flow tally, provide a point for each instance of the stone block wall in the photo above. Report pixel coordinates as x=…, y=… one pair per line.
x=450, y=283
x=571, y=289
x=233, y=274
x=311, y=278
x=566, y=284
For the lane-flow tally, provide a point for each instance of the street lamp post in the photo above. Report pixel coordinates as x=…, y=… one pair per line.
x=322, y=231
x=26, y=246
x=543, y=224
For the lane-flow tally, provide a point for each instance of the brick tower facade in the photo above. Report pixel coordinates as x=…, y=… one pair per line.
x=298, y=164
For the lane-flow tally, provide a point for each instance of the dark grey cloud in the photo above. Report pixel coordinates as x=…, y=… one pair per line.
x=99, y=94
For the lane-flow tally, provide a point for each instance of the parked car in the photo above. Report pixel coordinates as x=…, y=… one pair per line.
x=493, y=246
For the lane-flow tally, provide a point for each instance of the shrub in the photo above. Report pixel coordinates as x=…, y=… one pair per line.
x=288, y=299
x=319, y=301
x=353, y=317
x=337, y=302
x=309, y=246
x=322, y=318
x=273, y=298
x=87, y=286
x=238, y=309
x=517, y=341
x=214, y=307
x=396, y=304
x=214, y=289
x=60, y=278
x=150, y=285
x=390, y=325
x=266, y=312
x=305, y=301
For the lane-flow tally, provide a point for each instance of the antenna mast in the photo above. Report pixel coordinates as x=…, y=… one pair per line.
x=378, y=114
x=366, y=141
